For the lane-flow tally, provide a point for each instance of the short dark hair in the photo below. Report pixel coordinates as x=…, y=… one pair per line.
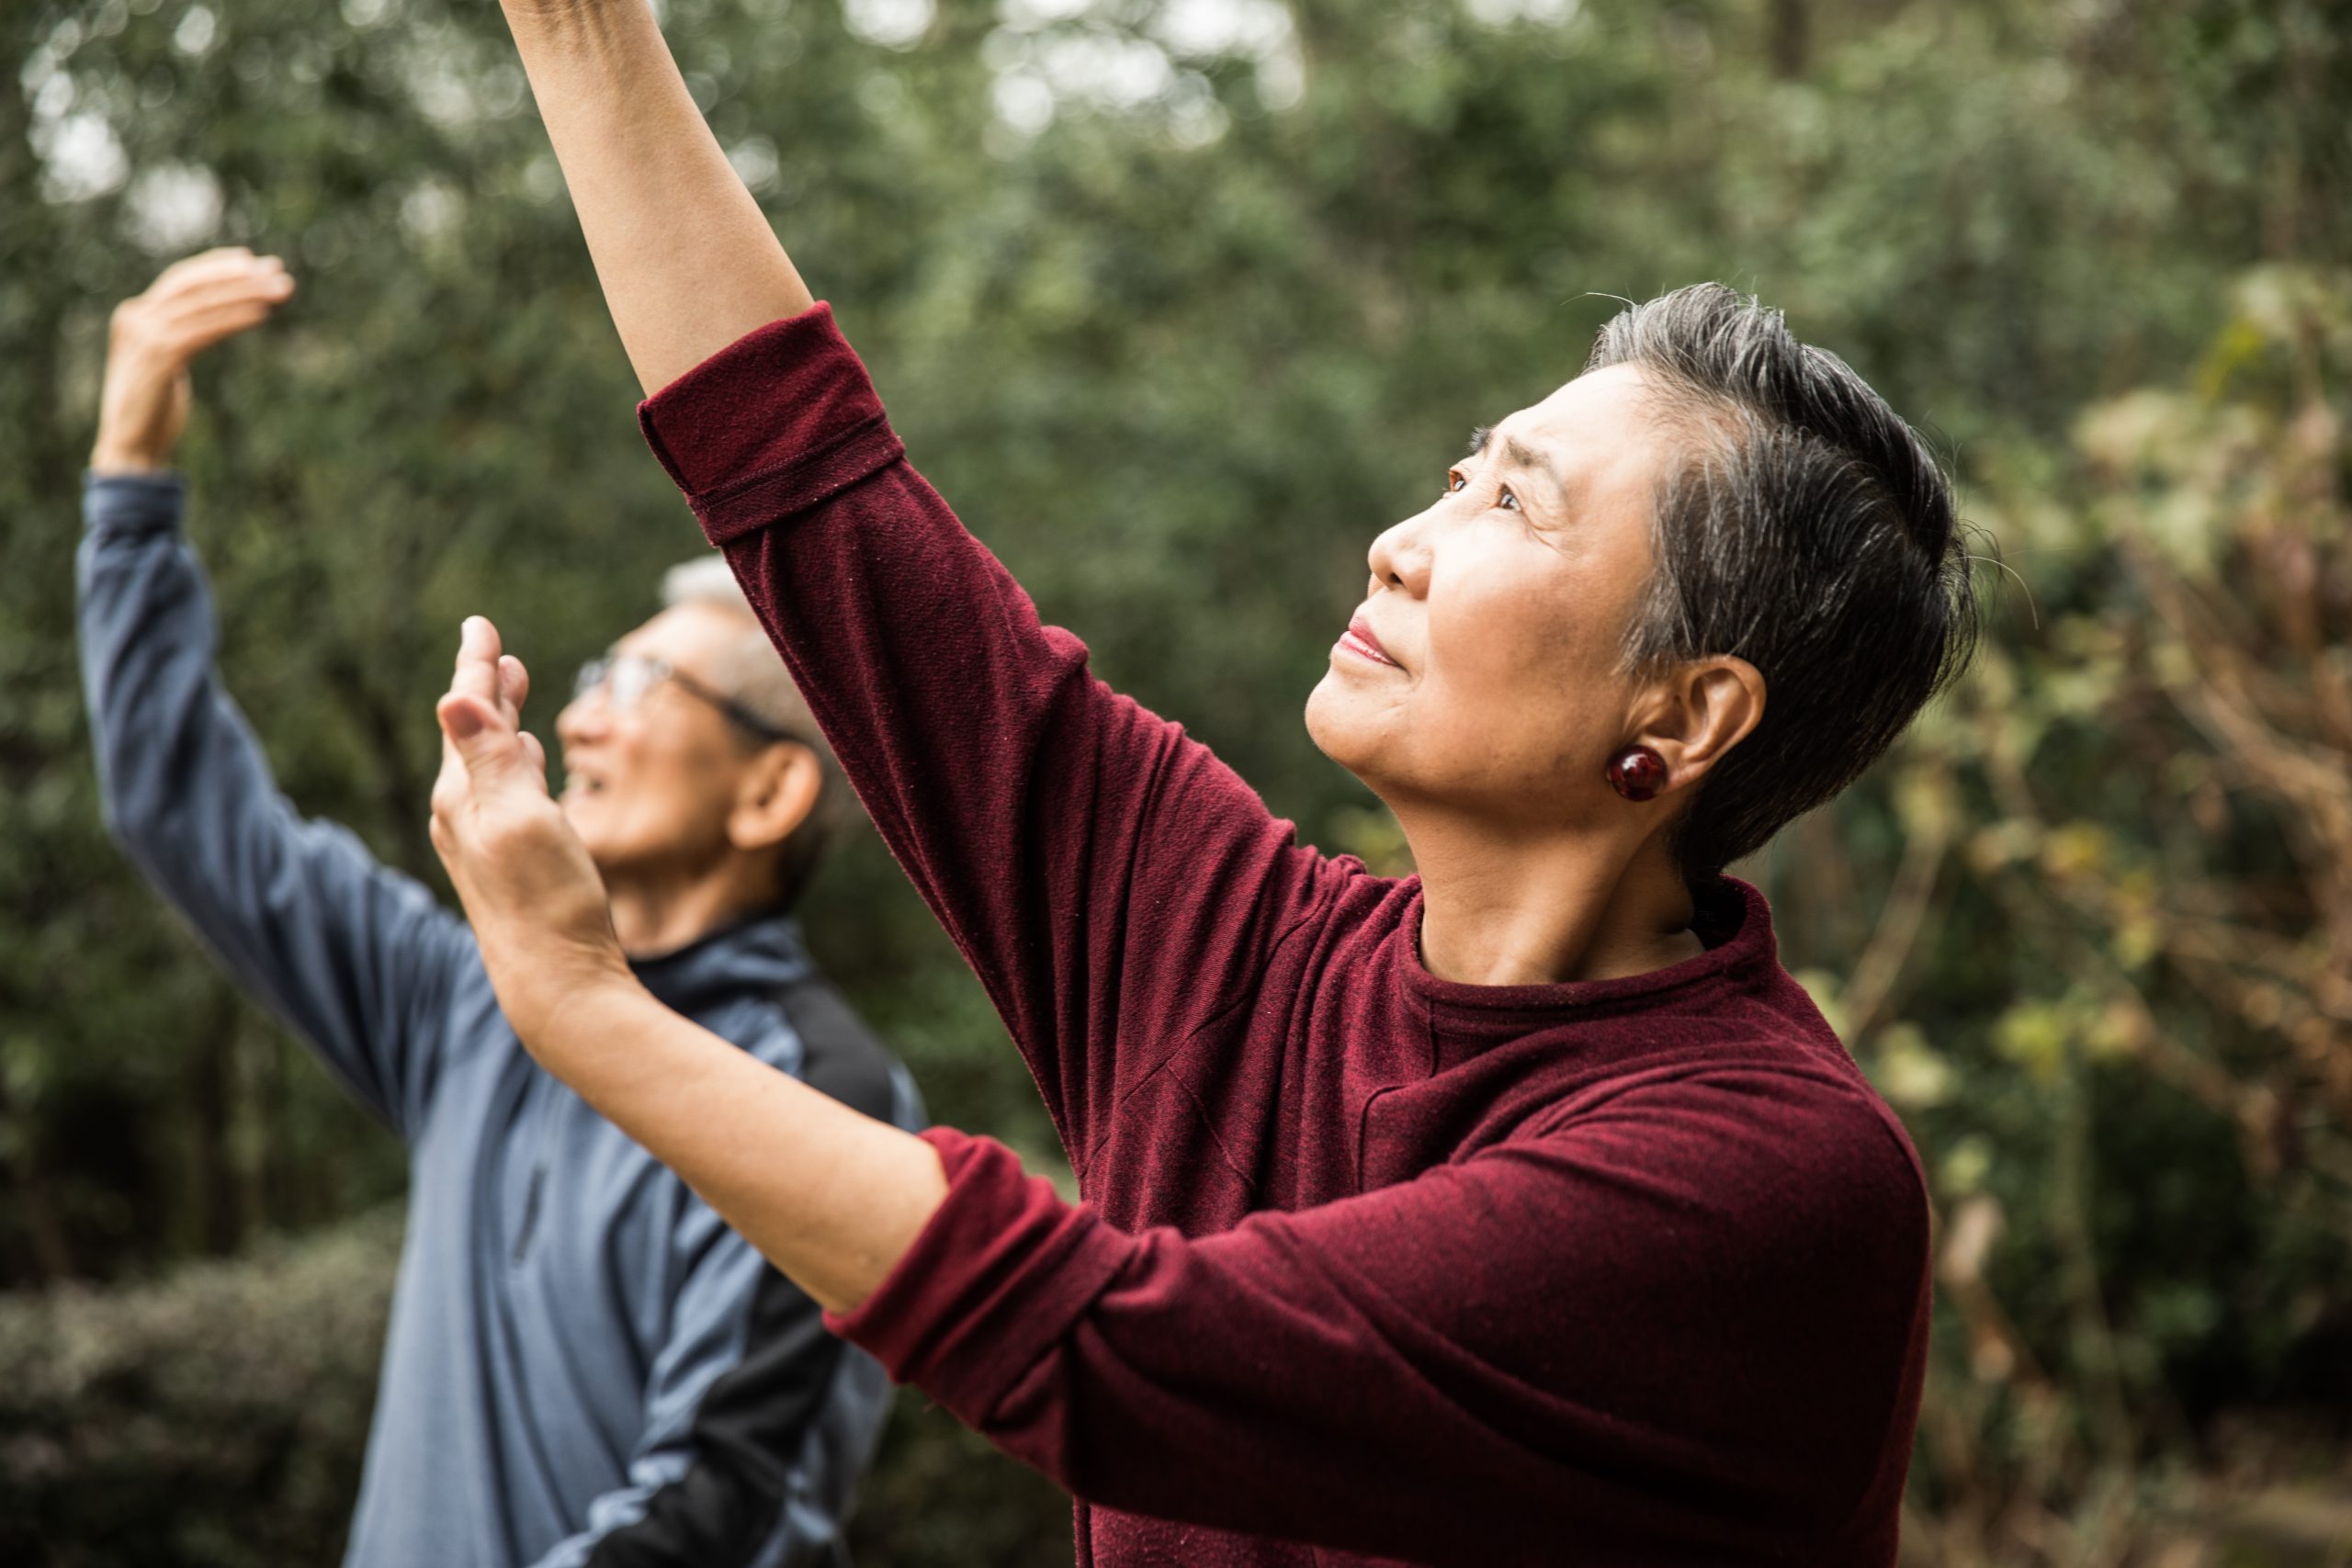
x=1810, y=532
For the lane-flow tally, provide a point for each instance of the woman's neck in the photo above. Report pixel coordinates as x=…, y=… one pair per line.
x=1503, y=910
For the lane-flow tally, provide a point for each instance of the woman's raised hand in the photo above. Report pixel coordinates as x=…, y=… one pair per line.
x=833, y=1198
x=537, y=904
x=686, y=259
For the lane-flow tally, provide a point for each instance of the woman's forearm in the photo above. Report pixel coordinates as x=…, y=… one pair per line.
x=833, y=1198
x=687, y=261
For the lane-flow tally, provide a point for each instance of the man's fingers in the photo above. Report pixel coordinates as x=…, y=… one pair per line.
x=218, y=259
x=199, y=271
x=186, y=315
x=199, y=332
x=254, y=280
x=219, y=295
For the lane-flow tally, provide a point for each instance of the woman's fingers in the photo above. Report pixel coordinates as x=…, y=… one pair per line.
x=481, y=716
x=528, y=886
x=513, y=686
x=476, y=674
x=464, y=716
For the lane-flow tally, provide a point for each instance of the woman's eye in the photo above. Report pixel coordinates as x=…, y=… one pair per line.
x=1507, y=501
x=1454, y=481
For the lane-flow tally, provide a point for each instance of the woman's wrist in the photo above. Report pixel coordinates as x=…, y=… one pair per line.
x=566, y=1008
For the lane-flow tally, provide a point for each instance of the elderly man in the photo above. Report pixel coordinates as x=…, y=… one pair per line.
x=584, y=1364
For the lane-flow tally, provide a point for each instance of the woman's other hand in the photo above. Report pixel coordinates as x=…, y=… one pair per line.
x=537, y=906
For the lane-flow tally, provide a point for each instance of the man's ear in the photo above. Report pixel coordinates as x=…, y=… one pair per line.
x=777, y=793
x=1698, y=713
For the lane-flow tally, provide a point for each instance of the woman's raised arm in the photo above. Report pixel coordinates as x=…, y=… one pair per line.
x=687, y=261
x=1112, y=883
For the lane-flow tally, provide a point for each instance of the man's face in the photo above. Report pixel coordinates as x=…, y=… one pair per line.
x=1502, y=611
x=649, y=787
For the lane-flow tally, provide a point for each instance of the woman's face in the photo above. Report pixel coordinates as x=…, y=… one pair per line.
x=1494, y=680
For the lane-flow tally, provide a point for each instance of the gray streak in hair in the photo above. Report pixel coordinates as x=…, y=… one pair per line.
x=1810, y=532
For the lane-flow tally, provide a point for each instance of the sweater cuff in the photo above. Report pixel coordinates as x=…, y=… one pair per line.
x=132, y=503
x=996, y=1277
x=777, y=422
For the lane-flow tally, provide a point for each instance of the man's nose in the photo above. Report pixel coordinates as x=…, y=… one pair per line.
x=583, y=717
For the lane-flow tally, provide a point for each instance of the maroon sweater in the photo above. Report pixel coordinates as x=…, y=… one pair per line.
x=1624, y=1272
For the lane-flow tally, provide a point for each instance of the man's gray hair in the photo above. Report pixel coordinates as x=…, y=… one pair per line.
x=752, y=673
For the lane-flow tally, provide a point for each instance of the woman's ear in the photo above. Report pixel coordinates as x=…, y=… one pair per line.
x=777, y=791
x=1699, y=713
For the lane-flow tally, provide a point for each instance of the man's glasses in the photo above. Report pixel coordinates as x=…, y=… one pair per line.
x=625, y=678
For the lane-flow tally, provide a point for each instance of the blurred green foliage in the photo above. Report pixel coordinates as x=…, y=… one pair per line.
x=1179, y=303
x=213, y=1418
x=217, y=1416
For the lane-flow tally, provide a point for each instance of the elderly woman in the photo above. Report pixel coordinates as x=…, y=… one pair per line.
x=1522, y=1210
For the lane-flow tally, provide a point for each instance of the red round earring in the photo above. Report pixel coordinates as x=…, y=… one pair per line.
x=1637, y=772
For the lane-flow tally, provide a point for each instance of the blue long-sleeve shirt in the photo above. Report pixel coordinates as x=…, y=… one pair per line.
x=583, y=1365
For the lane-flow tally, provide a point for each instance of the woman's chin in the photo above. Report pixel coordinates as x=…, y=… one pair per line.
x=1338, y=727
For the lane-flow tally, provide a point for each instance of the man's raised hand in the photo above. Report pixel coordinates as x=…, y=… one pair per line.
x=538, y=906
x=193, y=305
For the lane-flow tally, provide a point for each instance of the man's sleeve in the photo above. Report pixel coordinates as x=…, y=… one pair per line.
x=1683, y=1329
x=358, y=959
x=757, y=1426
x=1111, y=883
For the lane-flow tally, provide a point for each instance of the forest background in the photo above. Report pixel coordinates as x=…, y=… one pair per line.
x=1181, y=302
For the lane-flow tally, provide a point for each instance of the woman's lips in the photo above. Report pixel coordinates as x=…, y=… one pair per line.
x=1358, y=639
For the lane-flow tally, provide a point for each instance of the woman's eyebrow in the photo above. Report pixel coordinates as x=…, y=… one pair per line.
x=1519, y=455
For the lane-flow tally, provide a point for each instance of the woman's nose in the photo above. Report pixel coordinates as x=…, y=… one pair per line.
x=1400, y=556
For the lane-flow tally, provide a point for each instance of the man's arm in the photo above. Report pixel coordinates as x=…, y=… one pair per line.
x=758, y=1422
x=687, y=261
x=354, y=956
